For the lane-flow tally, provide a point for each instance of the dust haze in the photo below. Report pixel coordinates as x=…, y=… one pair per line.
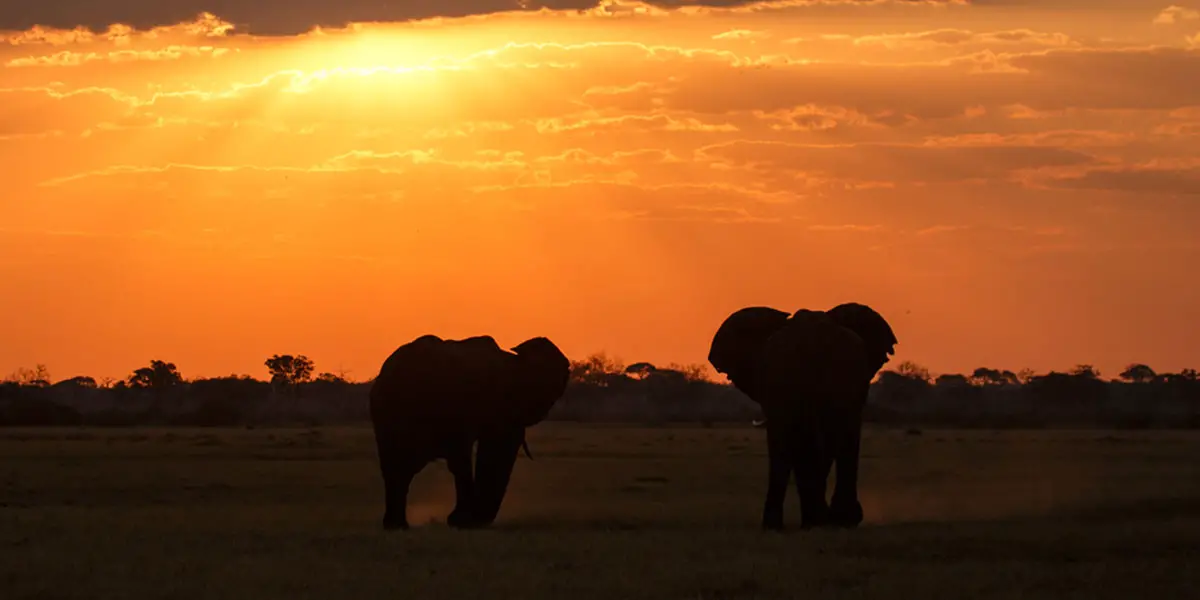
x=1014, y=479
x=693, y=479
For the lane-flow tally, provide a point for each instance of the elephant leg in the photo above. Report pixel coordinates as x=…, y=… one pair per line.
x=397, y=477
x=459, y=463
x=397, y=466
x=809, y=456
x=823, y=469
x=778, y=472
x=845, y=509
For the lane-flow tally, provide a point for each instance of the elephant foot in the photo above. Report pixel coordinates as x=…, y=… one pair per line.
x=772, y=520
x=807, y=524
x=846, y=515
x=815, y=516
x=460, y=519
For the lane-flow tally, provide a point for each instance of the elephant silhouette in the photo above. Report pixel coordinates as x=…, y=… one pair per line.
x=436, y=398
x=810, y=372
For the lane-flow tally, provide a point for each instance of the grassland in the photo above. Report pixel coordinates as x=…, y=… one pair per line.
x=602, y=512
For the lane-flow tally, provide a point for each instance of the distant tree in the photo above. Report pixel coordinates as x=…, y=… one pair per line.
x=640, y=370
x=1086, y=372
x=160, y=375
x=38, y=376
x=985, y=376
x=902, y=388
x=912, y=370
x=691, y=371
x=82, y=381
x=1026, y=375
x=227, y=400
x=288, y=370
x=952, y=380
x=330, y=378
x=597, y=370
x=1138, y=373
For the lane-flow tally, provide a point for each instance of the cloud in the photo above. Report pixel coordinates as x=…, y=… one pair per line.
x=290, y=17
x=378, y=172
x=893, y=162
x=1047, y=138
x=959, y=37
x=669, y=88
x=846, y=228
x=1149, y=179
x=1138, y=78
x=741, y=34
x=66, y=58
x=755, y=122
x=198, y=24
x=1176, y=14
x=38, y=109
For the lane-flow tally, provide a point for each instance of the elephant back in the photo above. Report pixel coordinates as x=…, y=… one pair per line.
x=434, y=379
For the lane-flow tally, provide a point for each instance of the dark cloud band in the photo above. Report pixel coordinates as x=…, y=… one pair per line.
x=286, y=17
x=262, y=17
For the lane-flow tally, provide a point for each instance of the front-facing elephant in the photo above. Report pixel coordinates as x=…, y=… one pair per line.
x=811, y=373
x=436, y=398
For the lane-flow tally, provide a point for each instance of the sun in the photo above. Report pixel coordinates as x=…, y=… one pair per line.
x=368, y=46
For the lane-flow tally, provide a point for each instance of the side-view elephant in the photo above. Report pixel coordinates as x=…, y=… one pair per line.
x=437, y=398
x=811, y=373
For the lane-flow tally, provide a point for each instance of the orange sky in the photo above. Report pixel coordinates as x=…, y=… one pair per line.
x=1011, y=183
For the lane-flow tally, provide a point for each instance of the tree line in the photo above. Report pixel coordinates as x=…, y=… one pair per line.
x=603, y=389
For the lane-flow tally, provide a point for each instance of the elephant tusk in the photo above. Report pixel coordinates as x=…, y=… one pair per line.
x=525, y=445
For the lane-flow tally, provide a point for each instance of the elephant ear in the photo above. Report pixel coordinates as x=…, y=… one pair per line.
x=541, y=379
x=871, y=327
x=739, y=341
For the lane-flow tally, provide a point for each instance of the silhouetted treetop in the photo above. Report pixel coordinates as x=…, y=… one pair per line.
x=39, y=376
x=1138, y=373
x=602, y=389
x=986, y=376
x=640, y=370
x=912, y=370
x=330, y=378
x=289, y=370
x=159, y=375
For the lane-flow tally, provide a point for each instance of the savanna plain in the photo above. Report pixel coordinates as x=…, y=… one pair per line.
x=601, y=512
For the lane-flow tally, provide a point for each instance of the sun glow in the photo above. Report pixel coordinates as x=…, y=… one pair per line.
x=372, y=49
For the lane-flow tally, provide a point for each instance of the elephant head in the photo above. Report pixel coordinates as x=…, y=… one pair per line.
x=738, y=343
x=737, y=346
x=536, y=378
x=875, y=332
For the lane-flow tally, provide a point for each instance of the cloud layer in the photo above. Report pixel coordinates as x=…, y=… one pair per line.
x=290, y=17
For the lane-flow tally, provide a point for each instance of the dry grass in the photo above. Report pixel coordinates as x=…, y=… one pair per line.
x=603, y=512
